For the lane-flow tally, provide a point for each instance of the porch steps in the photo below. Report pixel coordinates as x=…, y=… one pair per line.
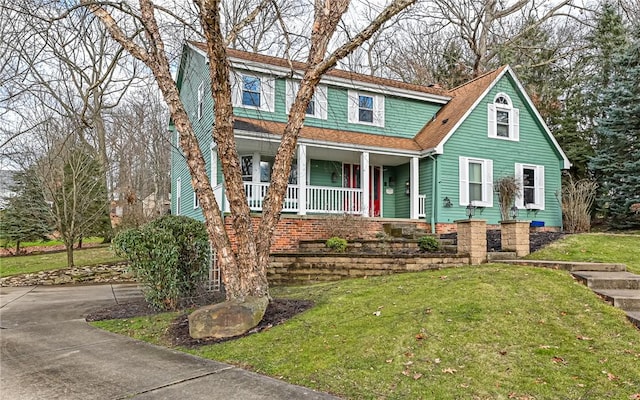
x=406, y=231
x=499, y=256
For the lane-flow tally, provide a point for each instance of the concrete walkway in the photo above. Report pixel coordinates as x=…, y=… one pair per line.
x=48, y=351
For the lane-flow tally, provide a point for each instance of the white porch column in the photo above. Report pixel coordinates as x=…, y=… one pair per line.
x=414, y=187
x=255, y=170
x=364, y=182
x=302, y=179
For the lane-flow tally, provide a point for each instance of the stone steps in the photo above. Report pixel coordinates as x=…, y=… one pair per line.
x=500, y=256
x=626, y=299
x=570, y=266
x=608, y=280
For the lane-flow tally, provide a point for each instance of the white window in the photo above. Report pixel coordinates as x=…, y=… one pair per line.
x=178, y=195
x=503, y=119
x=317, y=107
x=366, y=108
x=200, y=99
x=196, y=202
x=476, y=182
x=253, y=91
x=531, y=179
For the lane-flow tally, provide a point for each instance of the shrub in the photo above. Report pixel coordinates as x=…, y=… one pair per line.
x=508, y=188
x=428, y=243
x=577, y=202
x=337, y=244
x=169, y=257
x=346, y=226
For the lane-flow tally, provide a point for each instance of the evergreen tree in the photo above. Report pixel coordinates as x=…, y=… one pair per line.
x=616, y=163
x=27, y=215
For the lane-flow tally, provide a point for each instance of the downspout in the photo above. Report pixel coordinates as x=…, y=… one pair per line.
x=433, y=193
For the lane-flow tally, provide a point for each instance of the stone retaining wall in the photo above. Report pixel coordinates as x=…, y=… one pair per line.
x=292, y=269
x=104, y=273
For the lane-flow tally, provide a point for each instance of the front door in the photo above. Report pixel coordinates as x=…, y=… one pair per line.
x=351, y=179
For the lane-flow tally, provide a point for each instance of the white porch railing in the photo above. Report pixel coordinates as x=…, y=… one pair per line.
x=334, y=200
x=257, y=191
x=422, y=202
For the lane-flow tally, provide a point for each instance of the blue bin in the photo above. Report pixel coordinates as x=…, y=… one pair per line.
x=537, y=224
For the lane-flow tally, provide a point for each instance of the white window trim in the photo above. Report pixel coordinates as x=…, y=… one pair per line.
x=196, y=202
x=319, y=97
x=487, y=181
x=378, y=108
x=214, y=165
x=200, y=100
x=539, y=189
x=514, y=119
x=178, y=195
x=267, y=91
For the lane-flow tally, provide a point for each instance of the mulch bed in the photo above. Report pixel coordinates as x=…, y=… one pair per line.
x=537, y=240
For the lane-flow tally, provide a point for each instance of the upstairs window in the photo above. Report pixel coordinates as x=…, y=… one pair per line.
x=476, y=182
x=317, y=107
x=253, y=91
x=503, y=119
x=366, y=108
x=531, y=179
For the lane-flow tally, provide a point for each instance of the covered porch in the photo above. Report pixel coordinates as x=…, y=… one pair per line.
x=328, y=179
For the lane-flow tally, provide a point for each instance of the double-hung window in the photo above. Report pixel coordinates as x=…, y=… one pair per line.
x=503, y=119
x=253, y=91
x=317, y=107
x=366, y=108
x=476, y=181
x=531, y=179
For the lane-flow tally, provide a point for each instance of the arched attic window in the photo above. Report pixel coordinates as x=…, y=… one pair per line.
x=503, y=118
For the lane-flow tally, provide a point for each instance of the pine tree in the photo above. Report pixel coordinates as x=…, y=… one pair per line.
x=27, y=216
x=616, y=163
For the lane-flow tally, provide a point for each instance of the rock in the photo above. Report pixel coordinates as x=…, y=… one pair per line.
x=231, y=318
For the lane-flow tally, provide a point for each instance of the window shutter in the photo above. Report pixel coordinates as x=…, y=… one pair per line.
x=378, y=110
x=321, y=102
x=236, y=88
x=520, y=196
x=540, y=187
x=515, y=124
x=268, y=87
x=352, y=104
x=487, y=184
x=292, y=90
x=463, y=165
x=491, y=120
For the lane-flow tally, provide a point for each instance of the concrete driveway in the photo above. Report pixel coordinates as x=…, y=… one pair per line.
x=48, y=351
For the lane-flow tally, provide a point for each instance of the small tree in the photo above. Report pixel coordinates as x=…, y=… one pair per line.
x=27, y=215
x=577, y=202
x=508, y=189
x=169, y=256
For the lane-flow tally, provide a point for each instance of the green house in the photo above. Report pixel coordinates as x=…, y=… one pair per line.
x=377, y=148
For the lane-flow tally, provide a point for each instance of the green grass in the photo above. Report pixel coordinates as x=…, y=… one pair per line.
x=595, y=247
x=50, y=243
x=490, y=332
x=48, y=261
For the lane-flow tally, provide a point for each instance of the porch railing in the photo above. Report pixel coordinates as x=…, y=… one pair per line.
x=334, y=200
x=257, y=191
x=422, y=205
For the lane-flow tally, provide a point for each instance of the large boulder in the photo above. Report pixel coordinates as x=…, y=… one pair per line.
x=231, y=318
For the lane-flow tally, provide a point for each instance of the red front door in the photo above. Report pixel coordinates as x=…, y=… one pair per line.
x=351, y=174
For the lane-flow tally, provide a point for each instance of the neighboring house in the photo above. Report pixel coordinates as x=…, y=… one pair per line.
x=376, y=147
x=6, y=182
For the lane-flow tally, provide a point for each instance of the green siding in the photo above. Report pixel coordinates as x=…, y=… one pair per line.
x=402, y=200
x=426, y=185
x=320, y=173
x=403, y=117
x=471, y=140
x=389, y=200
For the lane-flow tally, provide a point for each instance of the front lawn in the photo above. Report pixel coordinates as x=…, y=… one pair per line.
x=14, y=265
x=489, y=332
x=595, y=247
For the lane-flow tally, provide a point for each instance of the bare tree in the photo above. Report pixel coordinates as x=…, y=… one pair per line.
x=244, y=272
